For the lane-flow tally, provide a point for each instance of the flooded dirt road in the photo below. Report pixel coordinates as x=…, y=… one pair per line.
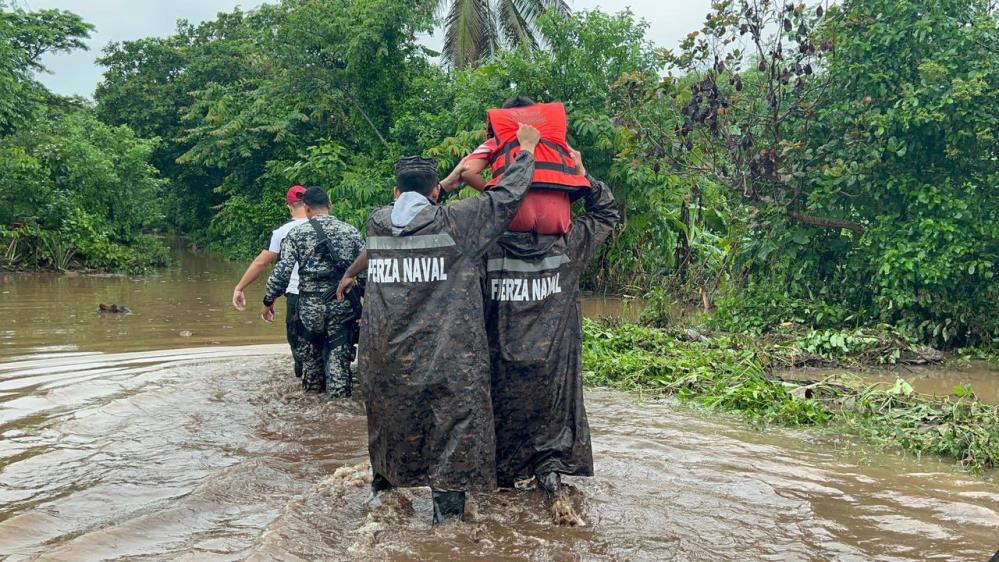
x=213, y=454
x=119, y=441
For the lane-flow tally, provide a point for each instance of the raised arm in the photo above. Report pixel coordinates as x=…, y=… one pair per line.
x=480, y=221
x=468, y=171
x=592, y=229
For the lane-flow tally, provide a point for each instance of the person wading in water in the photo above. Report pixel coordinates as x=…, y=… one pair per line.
x=264, y=259
x=534, y=325
x=323, y=248
x=423, y=356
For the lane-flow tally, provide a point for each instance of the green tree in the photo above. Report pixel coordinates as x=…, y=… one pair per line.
x=149, y=85
x=72, y=188
x=475, y=30
x=864, y=143
x=24, y=38
x=45, y=31
x=908, y=145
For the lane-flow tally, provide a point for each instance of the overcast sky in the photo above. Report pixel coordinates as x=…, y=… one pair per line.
x=121, y=20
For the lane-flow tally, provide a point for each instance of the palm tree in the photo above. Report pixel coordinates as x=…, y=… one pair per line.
x=476, y=29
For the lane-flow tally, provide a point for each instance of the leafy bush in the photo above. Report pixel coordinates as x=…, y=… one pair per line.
x=80, y=192
x=729, y=374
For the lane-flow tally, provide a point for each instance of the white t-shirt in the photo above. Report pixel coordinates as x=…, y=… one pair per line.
x=276, y=238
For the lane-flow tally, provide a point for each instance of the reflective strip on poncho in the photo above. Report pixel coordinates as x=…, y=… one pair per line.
x=424, y=359
x=534, y=323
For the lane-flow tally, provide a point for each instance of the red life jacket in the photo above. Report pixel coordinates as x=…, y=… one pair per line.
x=554, y=167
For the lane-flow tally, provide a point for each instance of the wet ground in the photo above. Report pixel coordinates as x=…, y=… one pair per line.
x=122, y=440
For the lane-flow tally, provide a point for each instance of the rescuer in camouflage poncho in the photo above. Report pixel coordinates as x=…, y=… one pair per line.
x=534, y=323
x=326, y=347
x=423, y=356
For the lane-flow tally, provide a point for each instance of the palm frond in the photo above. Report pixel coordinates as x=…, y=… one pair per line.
x=473, y=28
x=516, y=20
x=531, y=10
x=470, y=32
x=561, y=7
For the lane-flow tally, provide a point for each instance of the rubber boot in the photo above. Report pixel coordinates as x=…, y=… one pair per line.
x=379, y=484
x=551, y=484
x=448, y=506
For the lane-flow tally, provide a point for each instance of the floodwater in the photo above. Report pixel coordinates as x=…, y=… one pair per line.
x=982, y=377
x=184, y=306
x=122, y=440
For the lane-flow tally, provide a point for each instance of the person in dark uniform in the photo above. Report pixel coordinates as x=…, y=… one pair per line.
x=423, y=355
x=534, y=323
x=323, y=248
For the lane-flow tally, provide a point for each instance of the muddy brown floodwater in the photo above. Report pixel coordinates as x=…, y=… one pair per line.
x=982, y=377
x=122, y=440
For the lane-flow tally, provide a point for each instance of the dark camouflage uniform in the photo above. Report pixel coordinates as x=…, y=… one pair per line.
x=326, y=347
x=424, y=359
x=534, y=322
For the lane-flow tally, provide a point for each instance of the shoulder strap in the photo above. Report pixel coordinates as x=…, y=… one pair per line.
x=324, y=240
x=353, y=297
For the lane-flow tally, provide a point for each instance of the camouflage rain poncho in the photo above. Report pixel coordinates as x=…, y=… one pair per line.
x=424, y=359
x=534, y=322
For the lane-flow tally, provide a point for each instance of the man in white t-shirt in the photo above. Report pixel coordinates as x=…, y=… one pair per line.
x=267, y=257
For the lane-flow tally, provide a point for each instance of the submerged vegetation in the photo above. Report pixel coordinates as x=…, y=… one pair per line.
x=736, y=373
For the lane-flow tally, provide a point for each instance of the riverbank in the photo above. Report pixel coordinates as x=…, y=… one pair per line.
x=740, y=374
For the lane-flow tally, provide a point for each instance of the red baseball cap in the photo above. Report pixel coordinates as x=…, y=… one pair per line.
x=295, y=194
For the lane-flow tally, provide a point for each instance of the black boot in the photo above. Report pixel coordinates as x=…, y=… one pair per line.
x=550, y=483
x=379, y=484
x=448, y=506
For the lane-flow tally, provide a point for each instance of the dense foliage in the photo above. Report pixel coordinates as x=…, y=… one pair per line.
x=824, y=166
x=857, y=151
x=73, y=190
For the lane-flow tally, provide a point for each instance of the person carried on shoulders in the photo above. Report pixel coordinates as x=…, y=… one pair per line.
x=556, y=182
x=423, y=358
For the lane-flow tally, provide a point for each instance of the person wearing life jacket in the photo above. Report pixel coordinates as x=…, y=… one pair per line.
x=423, y=357
x=534, y=327
x=547, y=208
